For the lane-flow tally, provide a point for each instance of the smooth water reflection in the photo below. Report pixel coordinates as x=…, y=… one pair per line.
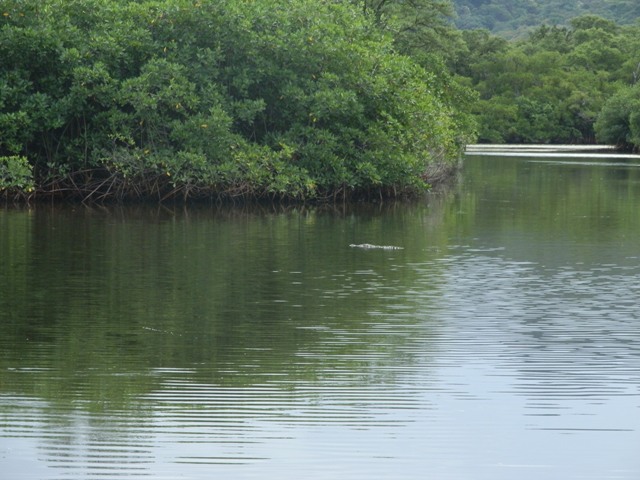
x=501, y=342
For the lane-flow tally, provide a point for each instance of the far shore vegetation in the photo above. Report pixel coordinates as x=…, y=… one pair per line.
x=303, y=100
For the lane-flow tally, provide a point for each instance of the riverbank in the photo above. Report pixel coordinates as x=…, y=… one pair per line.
x=103, y=186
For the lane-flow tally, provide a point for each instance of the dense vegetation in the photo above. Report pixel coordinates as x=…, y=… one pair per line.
x=514, y=18
x=177, y=98
x=299, y=99
x=575, y=84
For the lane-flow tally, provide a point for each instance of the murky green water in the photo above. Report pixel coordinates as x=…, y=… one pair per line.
x=502, y=342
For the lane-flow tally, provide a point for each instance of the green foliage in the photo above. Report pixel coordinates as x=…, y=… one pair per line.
x=178, y=98
x=551, y=86
x=619, y=121
x=422, y=30
x=419, y=27
x=15, y=176
x=515, y=18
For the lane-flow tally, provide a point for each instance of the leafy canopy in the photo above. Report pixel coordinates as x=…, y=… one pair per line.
x=295, y=98
x=551, y=86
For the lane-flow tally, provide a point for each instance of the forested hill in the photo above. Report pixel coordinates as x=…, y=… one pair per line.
x=513, y=18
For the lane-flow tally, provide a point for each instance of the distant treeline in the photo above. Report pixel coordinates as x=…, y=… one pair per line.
x=298, y=99
x=574, y=84
x=515, y=18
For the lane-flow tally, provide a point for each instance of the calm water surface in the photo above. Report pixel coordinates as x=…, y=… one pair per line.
x=501, y=342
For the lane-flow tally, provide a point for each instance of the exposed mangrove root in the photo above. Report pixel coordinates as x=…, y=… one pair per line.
x=104, y=185
x=441, y=172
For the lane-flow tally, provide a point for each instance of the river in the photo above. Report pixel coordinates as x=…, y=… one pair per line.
x=498, y=340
